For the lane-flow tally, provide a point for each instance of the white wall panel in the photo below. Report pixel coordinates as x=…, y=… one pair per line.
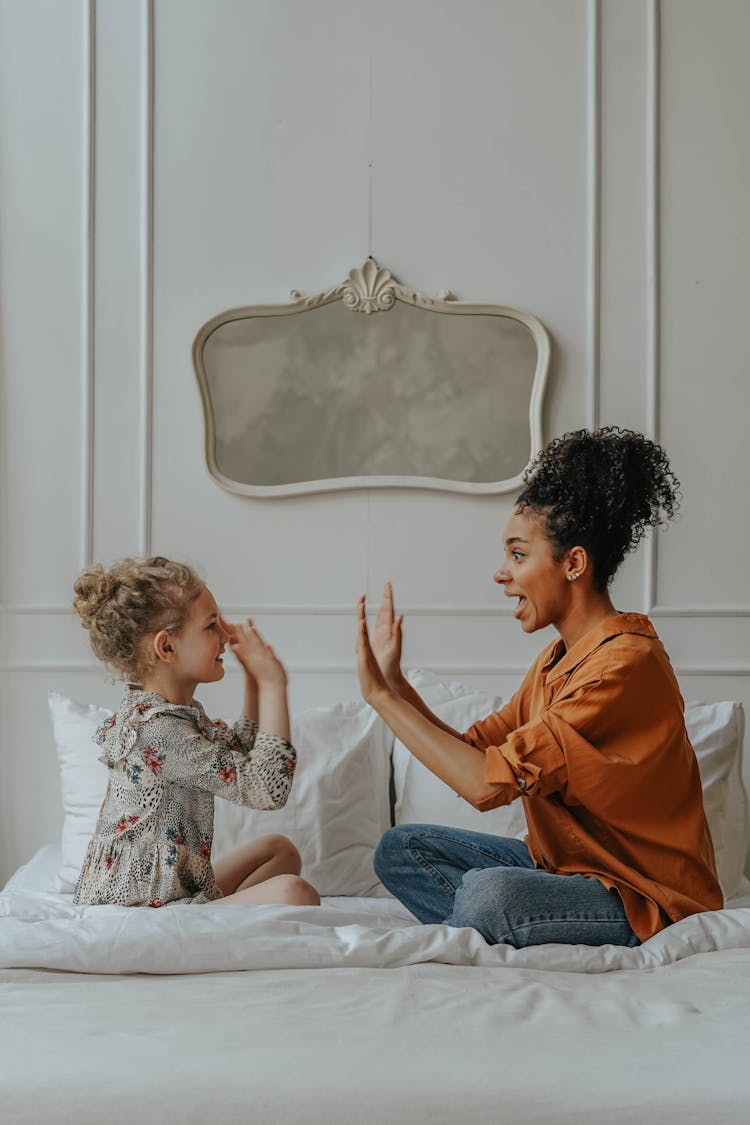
x=261, y=142
x=44, y=326
x=624, y=192
x=705, y=172
x=261, y=186
x=479, y=154
x=438, y=549
x=121, y=275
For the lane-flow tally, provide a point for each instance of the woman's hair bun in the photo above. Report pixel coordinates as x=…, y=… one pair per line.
x=601, y=489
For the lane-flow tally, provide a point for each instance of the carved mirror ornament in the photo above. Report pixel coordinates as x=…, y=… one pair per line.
x=323, y=394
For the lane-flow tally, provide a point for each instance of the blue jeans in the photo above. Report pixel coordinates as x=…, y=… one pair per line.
x=490, y=883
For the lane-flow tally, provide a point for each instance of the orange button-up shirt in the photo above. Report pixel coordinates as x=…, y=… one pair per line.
x=594, y=741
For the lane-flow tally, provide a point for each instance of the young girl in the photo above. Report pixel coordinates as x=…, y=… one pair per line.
x=158, y=625
x=594, y=741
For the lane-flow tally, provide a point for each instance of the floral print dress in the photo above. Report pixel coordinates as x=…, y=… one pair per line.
x=167, y=762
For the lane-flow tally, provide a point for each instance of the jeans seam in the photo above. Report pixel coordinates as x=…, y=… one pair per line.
x=437, y=875
x=523, y=926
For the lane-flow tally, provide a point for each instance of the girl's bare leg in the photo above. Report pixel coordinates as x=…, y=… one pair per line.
x=285, y=890
x=266, y=870
x=255, y=862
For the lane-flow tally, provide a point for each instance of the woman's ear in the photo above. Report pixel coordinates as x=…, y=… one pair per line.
x=577, y=563
x=163, y=646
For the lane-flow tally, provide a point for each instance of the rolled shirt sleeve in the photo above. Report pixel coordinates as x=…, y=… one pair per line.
x=583, y=744
x=525, y=761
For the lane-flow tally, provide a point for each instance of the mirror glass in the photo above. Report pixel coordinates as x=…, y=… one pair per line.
x=301, y=399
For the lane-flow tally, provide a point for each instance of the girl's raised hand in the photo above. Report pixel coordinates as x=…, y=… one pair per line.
x=371, y=679
x=256, y=657
x=386, y=638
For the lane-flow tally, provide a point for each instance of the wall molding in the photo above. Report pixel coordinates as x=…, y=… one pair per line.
x=310, y=668
x=22, y=610
x=653, y=270
x=147, y=275
x=653, y=211
x=345, y=610
x=700, y=611
x=88, y=225
x=593, y=181
x=687, y=670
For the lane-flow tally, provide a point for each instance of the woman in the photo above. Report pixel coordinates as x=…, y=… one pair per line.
x=594, y=741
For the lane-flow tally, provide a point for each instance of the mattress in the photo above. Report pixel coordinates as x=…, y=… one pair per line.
x=354, y=1013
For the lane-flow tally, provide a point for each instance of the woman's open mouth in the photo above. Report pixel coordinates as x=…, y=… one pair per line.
x=520, y=606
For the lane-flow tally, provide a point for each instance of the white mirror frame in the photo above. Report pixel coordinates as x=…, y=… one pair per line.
x=372, y=289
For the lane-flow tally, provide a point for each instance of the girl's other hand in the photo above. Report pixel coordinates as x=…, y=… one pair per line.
x=386, y=639
x=371, y=679
x=256, y=657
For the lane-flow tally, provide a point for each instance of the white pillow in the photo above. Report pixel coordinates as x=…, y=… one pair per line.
x=336, y=813
x=83, y=779
x=421, y=797
x=338, y=808
x=716, y=731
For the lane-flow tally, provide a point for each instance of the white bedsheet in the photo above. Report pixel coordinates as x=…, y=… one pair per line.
x=482, y=1037
x=40, y=929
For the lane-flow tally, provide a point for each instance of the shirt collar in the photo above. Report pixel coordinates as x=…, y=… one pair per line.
x=560, y=663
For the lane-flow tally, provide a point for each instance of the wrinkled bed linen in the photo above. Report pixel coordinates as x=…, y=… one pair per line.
x=427, y=1042
x=40, y=929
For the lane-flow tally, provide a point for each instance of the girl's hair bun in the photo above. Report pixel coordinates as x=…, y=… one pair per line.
x=93, y=590
x=122, y=604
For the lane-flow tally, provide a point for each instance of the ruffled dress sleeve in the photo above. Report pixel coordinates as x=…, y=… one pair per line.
x=182, y=745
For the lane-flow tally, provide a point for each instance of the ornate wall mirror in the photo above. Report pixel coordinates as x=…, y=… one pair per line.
x=370, y=384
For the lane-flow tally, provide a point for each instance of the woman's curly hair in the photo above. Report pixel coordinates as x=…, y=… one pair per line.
x=121, y=605
x=600, y=490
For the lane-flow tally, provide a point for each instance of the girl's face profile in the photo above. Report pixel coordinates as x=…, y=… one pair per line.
x=531, y=575
x=200, y=643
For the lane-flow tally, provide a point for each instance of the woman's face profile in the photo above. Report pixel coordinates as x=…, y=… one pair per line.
x=530, y=574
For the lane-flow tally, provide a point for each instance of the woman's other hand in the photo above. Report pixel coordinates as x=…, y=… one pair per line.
x=372, y=682
x=256, y=657
x=386, y=639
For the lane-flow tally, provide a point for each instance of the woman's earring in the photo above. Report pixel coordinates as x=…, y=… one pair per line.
x=572, y=577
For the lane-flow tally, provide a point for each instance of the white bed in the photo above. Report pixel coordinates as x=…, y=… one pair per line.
x=353, y=1012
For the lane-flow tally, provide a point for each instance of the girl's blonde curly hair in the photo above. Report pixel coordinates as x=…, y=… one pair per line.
x=120, y=606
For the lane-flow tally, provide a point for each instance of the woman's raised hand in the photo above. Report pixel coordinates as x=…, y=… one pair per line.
x=371, y=679
x=256, y=657
x=386, y=639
